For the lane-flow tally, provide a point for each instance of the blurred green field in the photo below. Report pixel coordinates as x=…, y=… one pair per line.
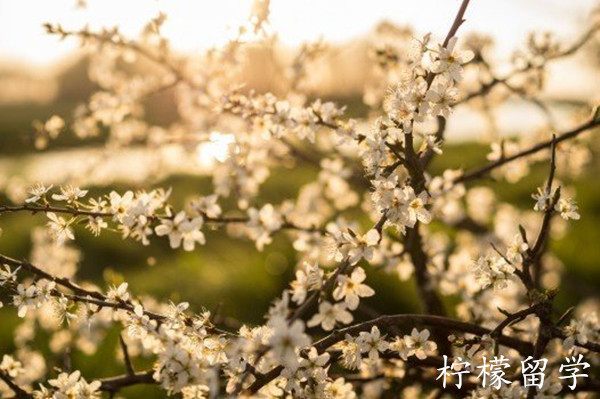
x=231, y=274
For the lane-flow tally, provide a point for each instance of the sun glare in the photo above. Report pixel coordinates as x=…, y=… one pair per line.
x=216, y=149
x=196, y=25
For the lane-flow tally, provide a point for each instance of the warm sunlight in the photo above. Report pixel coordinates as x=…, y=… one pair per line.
x=216, y=149
x=195, y=25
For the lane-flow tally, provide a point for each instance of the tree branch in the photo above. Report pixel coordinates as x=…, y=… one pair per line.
x=19, y=392
x=482, y=171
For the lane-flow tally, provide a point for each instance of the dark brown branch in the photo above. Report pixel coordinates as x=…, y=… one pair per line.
x=412, y=320
x=415, y=167
x=56, y=209
x=512, y=319
x=591, y=346
x=114, y=384
x=482, y=171
x=126, y=359
x=545, y=306
x=65, y=282
x=82, y=212
x=428, y=155
x=19, y=392
x=432, y=304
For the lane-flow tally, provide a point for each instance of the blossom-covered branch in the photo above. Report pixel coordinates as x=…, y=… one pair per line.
x=360, y=197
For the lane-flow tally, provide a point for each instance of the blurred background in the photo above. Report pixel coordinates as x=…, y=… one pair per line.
x=41, y=76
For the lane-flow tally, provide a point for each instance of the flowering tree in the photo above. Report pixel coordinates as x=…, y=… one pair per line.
x=483, y=269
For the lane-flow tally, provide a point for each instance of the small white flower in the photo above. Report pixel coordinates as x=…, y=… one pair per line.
x=308, y=279
x=449, y=61
x=207, y=206
x=317, y=360
x=340, y=389
x=37, y=192
x=119, y=205
x=442, y=96
x=417, y=344
x=514, y=251
x=567, y=209
x=542, y=199
x=59, y=228
x=287, y=340
x=13, y=368
x=372, y=343
x=361, y=246
x=580, y=330
x=329, y=315
x=119, y=294
x=32, y=296
x=430, y=141
x=351, y=358
x=74, y=386
x=262, y=223
x=416, y=208
x=96, y=224
x=351, y=288
x=182, y=229
x=493, y=271
x=8, y=275
x=191, y=234
x=407, y=102
x=70, y=194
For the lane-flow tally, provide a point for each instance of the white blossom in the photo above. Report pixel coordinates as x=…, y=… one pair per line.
x=329, y=315
x=358, y=247
x=69, y=194
x=449, y=61
x=37, y=192
x=493, y=271
x=351, y=288
x=287, y=340
x=567, y=209
x=33, y=296
x=372, y=343
x=59, y=228
x=416, y=344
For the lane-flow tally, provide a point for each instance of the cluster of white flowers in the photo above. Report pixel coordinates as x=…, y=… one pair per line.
x=33, y=296
x=140, y=215
x=404, y=208
x=493, y=271
x=262, y=223
x=582, y=330
x=181, y=228
x=416, y=344
x=426, y=92
x=364, y=350
x=349, y=245
x=70, y=385
x=11, y=367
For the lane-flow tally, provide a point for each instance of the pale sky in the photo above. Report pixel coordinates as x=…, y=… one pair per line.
x=196, y=24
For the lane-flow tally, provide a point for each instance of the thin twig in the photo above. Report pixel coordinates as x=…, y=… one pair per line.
x=483, y=170
x=126, y=359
